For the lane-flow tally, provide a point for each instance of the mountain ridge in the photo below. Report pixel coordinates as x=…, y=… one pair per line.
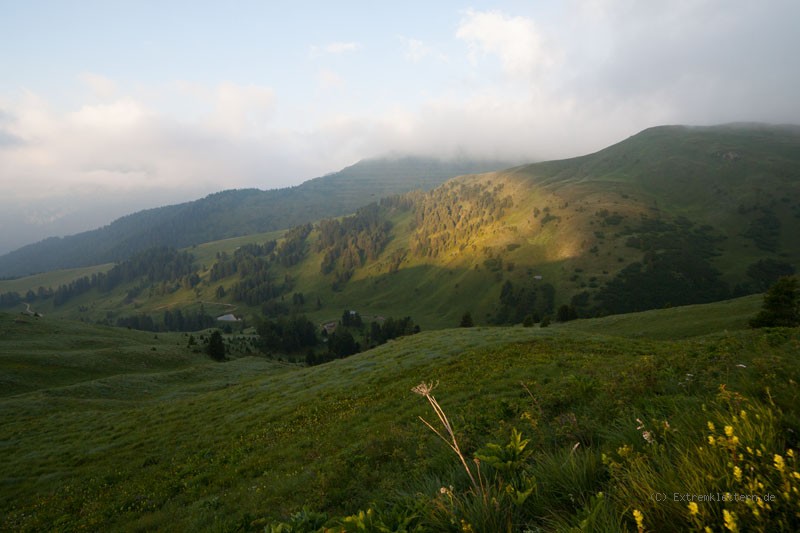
x=671, y=216
x=237, y=212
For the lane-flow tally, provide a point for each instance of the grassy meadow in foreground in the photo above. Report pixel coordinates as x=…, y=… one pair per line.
x=128, y=431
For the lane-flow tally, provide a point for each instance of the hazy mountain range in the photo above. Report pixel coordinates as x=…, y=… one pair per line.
x=671, y=216
x=240, y=212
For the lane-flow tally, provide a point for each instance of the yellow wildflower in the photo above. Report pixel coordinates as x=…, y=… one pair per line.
x=737, y=474
x=711, y=426
x=730, y=520
x=639, y=517
x=790, y=453
x=743, y=414
x=778, y=462
x=729, y=431
x=693, y=509
x=711, y=440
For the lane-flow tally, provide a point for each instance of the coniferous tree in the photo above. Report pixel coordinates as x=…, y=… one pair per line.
x=781, y=307
x=216, y=346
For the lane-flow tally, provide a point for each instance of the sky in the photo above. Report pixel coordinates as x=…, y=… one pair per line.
x=107, y=107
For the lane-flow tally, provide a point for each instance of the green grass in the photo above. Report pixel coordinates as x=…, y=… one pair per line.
x=120, y=437
x=51, y=279
x=676, y=322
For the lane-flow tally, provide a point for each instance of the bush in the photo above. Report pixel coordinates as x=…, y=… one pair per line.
x=781, y=306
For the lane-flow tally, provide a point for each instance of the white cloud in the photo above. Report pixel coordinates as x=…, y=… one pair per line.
x=334, y=48
x=516, y=41
x=328, y=79
x=240, y=110
x=415, y=50
x=100, y=86
x=589, y=75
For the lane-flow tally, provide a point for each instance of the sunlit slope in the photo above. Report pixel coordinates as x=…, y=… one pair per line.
x=697, y=208
x=671, y=216
x=233, y=213
x=218, y=446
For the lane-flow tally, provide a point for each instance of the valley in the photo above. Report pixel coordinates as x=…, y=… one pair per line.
x=605, y=353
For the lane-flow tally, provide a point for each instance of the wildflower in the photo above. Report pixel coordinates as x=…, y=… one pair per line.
x=639, y=517
x=730, y=520
x=710, y=426
x=729, y=431
x=737, y=474
x=743, y=414
x=648, y=436
x=790, y=453
x=693, y=509
x=641, y=424
x=778, y=462
x=711, y=440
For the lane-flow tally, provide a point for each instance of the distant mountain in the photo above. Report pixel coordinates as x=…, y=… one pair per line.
x=671, y=216
x=239, y=212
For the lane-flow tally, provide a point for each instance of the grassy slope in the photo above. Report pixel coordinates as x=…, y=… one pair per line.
x=176, y=442
x=704, y=174
x=50, y=279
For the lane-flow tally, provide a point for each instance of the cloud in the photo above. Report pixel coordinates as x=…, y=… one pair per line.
x=243, y=109
x=328, y=79
x=530, y=87
x=334, y=48
x=516, y=41
x=100, y=86
x=126, y=145
x=415, y=50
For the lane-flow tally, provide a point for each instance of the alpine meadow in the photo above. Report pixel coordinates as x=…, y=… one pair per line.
x=313, y=267
x=646, y=401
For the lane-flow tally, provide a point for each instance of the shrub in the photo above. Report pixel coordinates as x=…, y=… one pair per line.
x=781, y=307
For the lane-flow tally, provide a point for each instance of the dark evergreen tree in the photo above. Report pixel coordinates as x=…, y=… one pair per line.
x=216, y=346
x=341, y=344
x=466, y=320
x=566, y=313
x=781, y=306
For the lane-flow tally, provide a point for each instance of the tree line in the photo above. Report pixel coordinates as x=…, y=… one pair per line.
x=452, y=215
x=153, y=266
x=348, y=243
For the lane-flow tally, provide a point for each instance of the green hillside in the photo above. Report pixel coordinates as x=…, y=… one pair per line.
x=669, y=217
x=109, y=429
x=239, y=212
